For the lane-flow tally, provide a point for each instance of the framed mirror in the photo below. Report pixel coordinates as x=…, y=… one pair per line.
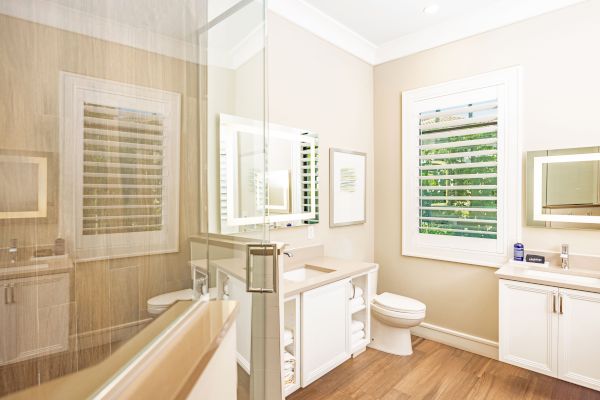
x=24, y=181
x=292, y=175
x=563, y=188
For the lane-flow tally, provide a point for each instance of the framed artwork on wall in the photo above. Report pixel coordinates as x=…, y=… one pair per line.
x=347, y=187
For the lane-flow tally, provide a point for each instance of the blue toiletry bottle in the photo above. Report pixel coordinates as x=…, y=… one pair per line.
x=519, y=252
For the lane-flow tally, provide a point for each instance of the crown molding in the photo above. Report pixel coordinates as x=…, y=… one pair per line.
x=322, y=25
x=501, y=14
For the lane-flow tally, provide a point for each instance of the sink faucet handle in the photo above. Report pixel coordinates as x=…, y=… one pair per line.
x=564, y=250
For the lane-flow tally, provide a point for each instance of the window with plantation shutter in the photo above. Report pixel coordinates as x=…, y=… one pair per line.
x=120, y=169
x=461, y=175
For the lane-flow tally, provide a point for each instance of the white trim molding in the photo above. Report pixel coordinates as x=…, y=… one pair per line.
x=317, y=22
x=460, y=340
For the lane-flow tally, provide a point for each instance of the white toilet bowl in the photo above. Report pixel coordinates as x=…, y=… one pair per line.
x=158, y=304
x=392, y=316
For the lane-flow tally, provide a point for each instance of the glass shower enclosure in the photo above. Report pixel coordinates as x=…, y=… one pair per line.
x=114, y=120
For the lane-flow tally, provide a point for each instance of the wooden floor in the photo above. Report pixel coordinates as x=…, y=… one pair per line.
x=436, y=371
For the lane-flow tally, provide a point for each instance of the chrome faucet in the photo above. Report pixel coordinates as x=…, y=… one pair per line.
x=289, y=254
x=13, y=251
x=564, y=256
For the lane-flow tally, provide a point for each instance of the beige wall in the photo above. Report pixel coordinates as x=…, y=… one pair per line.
x=558, y=53
x=316, y=86
x=312, y=85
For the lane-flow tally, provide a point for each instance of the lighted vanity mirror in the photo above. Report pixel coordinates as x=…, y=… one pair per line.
x=290, y=175
x=563, y=189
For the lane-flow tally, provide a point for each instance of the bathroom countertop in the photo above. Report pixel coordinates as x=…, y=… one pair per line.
x=577, y=279
x=342, y=269
x=151, y=364
x=36, y=268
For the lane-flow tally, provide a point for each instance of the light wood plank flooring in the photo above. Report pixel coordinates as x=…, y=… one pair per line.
x=436, y=371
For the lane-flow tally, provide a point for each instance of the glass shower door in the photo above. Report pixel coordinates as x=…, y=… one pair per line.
x=243, y=263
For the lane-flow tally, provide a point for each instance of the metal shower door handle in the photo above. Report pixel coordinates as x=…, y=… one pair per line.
x=269, y=249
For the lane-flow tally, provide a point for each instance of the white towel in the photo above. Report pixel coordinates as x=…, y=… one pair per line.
x=356, y=304
x=287, y=357
x=357, y=301
x=287, y=367
x=357, y=336
x=356, y=326
x=358, y=292
x=288, y=336
x=225, y=297
x=225, y=288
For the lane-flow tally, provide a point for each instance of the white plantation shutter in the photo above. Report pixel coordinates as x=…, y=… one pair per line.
x=306, y=181
x=458, y=161
x=122, y=170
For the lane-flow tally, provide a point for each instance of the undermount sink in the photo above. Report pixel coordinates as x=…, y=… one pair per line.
x=304, y=273
x=576, y=279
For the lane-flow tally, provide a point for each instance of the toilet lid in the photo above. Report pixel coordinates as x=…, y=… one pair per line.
x=167, y=299
x=396, y=302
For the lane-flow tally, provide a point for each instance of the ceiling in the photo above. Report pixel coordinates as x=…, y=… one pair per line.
x=381, y=21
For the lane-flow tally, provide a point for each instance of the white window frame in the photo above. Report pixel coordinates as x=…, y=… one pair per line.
x=74, y=91
x=486, y=252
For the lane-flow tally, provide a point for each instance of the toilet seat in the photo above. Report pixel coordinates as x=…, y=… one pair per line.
x=411, y=315
x=158, y=304
x=394, y=303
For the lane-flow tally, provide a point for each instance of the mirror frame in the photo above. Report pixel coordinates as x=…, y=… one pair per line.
x=229, y=126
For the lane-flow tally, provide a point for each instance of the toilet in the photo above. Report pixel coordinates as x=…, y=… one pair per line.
x=392, y=316
x=158, y=304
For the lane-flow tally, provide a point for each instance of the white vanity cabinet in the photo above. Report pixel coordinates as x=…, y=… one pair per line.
x=550, y=330
x=34, y=316
x=324, y=330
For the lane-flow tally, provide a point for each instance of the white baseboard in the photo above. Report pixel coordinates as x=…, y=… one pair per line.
x=460, y=340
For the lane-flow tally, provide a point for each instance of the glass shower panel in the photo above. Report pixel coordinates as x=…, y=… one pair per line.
x=243, y=263
x=102, y=110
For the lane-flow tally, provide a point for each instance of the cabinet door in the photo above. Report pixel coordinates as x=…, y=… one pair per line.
x=8, y=333
x=324, y=330
x=579, y=333
x=529, y=326
x=41, y=312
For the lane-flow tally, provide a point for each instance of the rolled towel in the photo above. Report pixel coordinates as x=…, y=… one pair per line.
x=288, y=336
x=287, y=357
x=358, y=292
x=356, y=304
x=225, y=288
x=357, y=336
x=358, y=301
x=287, y=367
x=225, y=297
x=356, y=326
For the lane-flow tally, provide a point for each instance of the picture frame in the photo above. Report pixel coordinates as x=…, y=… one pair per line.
x=347, y=187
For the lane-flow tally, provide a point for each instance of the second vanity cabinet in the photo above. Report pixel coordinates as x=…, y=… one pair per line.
x=551, y=330
x=34, y=317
